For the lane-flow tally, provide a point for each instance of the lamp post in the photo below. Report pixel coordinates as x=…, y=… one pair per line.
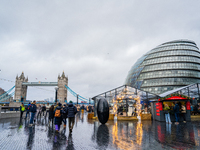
x=56, y=88
x=77, y=99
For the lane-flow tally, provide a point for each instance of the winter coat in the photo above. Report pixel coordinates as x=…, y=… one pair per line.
x=58, y=120
x=64, y=112
x=82, y=107
x=43, y=108
x=71, y=110
x=33, y=108
x=47, y=107
x=89, y=108
x=176, y=108
x=51, y=114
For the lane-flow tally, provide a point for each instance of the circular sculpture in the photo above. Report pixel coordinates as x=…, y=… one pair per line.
x=103, y=110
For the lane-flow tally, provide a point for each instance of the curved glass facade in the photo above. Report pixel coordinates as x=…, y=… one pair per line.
x=168, y=66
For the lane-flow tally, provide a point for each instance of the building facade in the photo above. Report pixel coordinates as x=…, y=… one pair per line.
x=168, y=66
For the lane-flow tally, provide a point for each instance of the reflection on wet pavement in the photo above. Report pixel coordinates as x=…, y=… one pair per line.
x=89, y=134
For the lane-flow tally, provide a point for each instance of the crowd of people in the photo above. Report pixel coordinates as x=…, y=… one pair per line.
x=57, y=113
x=177, y=109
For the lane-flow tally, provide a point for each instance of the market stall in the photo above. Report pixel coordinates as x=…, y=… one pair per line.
x=170, y=100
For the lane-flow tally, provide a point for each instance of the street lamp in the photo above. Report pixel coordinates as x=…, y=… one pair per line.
x=77, y=99
x=56, y=88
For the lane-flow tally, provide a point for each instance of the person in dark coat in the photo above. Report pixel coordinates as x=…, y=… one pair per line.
x=64, y=115
x=176, y=112
x=89, y=108
x=71, y=111
x=51, y=114
x=33, y=110
x=58, y=117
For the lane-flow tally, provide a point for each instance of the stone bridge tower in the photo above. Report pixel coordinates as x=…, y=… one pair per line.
x=20, y=90
x=62, y=90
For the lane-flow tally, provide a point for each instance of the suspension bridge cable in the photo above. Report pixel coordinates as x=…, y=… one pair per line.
x=6, y=93
x=75, y=94
x=9, y=96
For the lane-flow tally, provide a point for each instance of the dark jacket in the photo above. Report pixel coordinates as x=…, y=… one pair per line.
x=90, y=108
x=43, y=108
x=176, y=108
x=82, y=107
x=71, y=110
x=58, y=120
x=33, y=108
x=51, y=114
x=64, y=112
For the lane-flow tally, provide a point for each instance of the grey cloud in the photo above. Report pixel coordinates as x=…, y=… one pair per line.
x=94, y=42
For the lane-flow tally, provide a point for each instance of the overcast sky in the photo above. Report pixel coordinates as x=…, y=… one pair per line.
x=94, y=42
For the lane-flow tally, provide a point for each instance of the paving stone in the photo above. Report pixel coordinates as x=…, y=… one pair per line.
x=90, y=135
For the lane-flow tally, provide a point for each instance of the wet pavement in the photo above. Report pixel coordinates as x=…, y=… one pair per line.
x=90, y=135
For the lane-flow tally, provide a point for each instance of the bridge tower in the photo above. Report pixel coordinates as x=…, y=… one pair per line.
x=62, y=90
x=20, y=90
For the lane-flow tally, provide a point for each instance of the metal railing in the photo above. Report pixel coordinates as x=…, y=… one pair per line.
x=9, y=109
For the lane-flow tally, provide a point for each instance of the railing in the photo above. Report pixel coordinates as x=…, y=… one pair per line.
x=9, y=109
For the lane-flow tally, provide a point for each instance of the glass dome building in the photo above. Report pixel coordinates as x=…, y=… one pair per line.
x=168, y=66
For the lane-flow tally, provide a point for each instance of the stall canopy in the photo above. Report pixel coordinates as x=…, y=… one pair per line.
x=127, y=92
x=187, y=92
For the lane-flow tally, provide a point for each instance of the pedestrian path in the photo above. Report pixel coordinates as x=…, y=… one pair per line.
x=90, y=135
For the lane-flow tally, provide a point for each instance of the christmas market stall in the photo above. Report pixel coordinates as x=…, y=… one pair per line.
x=182, y=96
x=125, y=103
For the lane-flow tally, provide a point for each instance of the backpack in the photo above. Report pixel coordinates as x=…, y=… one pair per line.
x=29, y=107
x=57, y=113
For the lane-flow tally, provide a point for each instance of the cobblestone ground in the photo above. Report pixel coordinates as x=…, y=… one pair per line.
x=90, y=135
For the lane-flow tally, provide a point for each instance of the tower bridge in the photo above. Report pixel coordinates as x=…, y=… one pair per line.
x=21, y=86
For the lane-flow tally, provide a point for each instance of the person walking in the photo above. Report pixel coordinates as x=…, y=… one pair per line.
x=167, y=115
x=51, y=114
x=33, y=111
x=28, y=110
x=47, y=109
x=64, y=115
x=82, y=108
x=43, y=110
x=58, y=117
x=89, y=108
x=176, y=112
x=22, y=109
x=71, y=111
x=78, y=108
x=183, y=113
x=39, y=111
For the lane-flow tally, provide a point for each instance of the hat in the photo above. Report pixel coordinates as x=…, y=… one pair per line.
x=59, y=104
x=70, y=102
